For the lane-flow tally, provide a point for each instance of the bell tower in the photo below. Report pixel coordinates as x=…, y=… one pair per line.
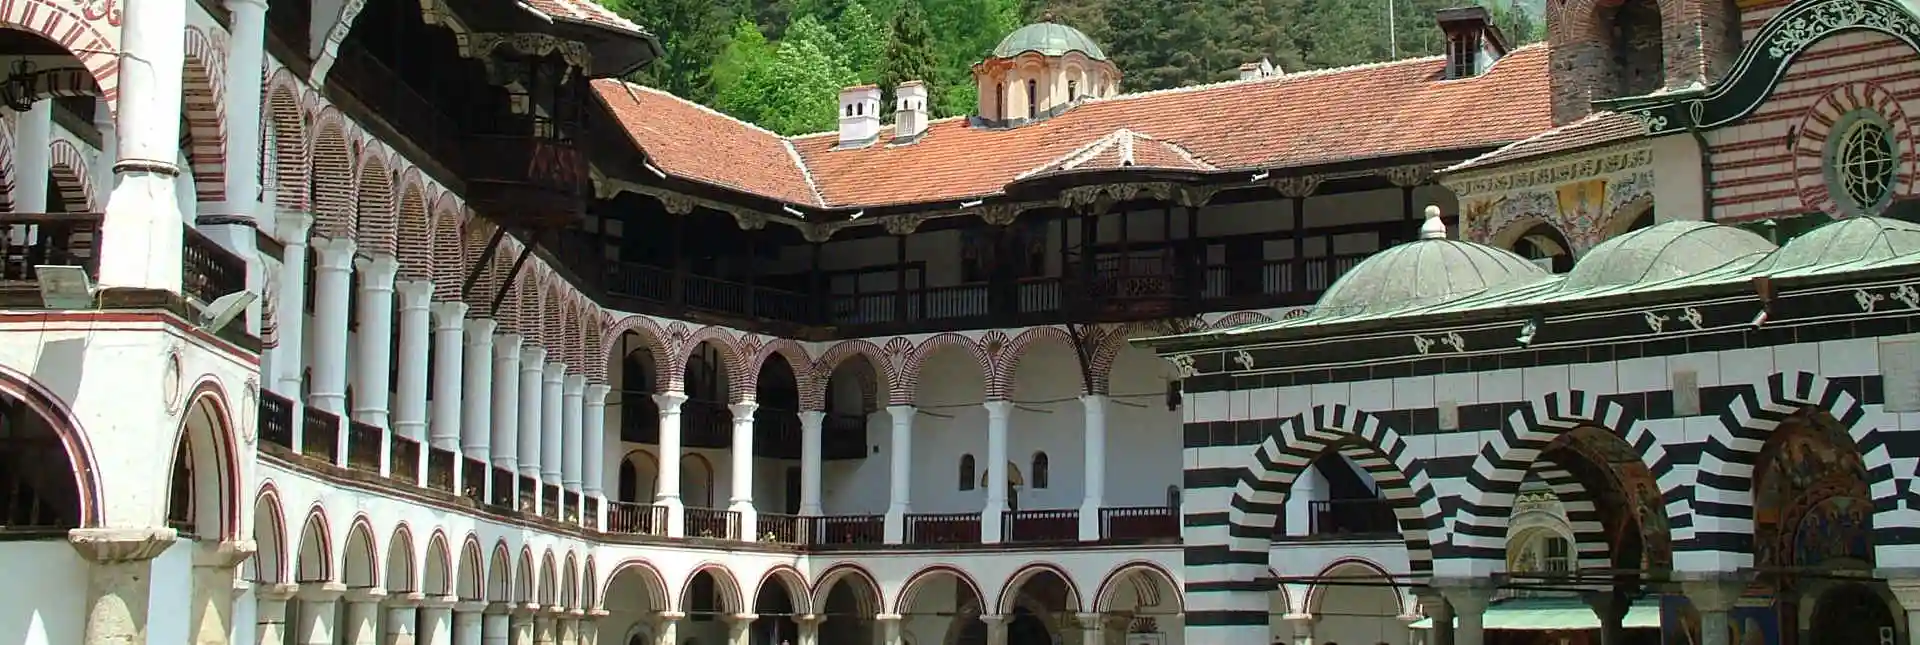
x=1605, y=49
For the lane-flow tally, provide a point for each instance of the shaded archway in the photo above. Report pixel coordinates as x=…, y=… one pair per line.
x=499, y=585
x=710, y=598
x=1355, y=601
x=847, y=597
x=359, y=557
x=943, y=601
x=1812, y=514
x=705, y=420
x=853, y=391
x=1546, y=247
x=202, y=488
x=401, y=577
x=639, y=473
x=635, y=593
x=1142, y=597
x=270, y=534
x=781, y=598
x=437, y=578
x=314, y=562
x=1039, y=604
x=472, y=583
x=44, y=461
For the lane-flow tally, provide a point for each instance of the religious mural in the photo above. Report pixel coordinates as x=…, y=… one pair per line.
x=1811, y=504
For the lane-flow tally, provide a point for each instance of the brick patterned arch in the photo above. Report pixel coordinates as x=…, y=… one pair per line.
x=811, y=392
x=1581, y=18
x=1480, y=524
x=909, y=390
x=84, y=33
x=374, y=217
x=290, y=157
x=416, y=229
x=523, y=299
x=595, y=337
x=71, y=176
x=1239, y=318
x=1816, y=126
x=449, y=248
x=733, y=364
x=1006, y=368
x=333, y=182
x=656, y=340
x=203, y=110
x=474, y=233
x=881, y=370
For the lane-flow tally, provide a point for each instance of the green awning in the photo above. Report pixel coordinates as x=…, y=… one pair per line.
x=1553, y=614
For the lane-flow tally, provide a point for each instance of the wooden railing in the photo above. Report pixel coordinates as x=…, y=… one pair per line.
x=779, y=528
x=473, y=479
x=386, y=93
x=1139, y=523
x=321, y=435
x=550, y=501
x=636, y=519
x=363, y=446
x=848, y=530
x=529, y=498
x=1040, y=526
x=210, y=270
x=276, y=419
x=713, y=523
x=502, y=496
x=440, y=466
x=1352, y=516
x=943, y=528
x=403, y=460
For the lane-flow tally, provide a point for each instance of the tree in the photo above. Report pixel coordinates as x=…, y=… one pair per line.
x=797, y=91
x=968, y=31
x=908, y=56
x=692, y=32
x=745, y=52
x=861, y=42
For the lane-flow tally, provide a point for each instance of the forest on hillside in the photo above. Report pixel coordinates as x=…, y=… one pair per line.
x=780, y=63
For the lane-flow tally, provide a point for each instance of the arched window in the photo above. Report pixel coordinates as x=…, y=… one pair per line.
x=1039, y=470
x=1033, y=100
x=1000, y=101
x=966, y=472
x=1173, y=498
x=628, y=481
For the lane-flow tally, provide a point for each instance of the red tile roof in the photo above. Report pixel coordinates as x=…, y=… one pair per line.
x=1122, y=149
x=586, y=11
x=1306, y=118
x=1595, y=129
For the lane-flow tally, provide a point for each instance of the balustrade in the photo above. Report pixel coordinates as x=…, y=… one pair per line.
x=834, y=530
x=1139, y=523
x=636, y=519
x=1352, y=516
x=778, y=528
x=943, y=528
x=502, y=497
x=363, y=446
x=403, y=460
x=31, y=240
x=529, y=498
x=321, y=435
x=276, y=420
x=712, y=523
x=1040, y=526
x=440, y=463
x=473, y=478
x=550, y=501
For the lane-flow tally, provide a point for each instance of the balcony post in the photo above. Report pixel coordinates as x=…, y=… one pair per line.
x=593, y=426
x=1095, y=407
x=900, y=465
x=553, y=392
x=33, y=157
x=142, y=235
x=667, y=493
x=810, y=425
x=996, y=628
x=1302, y=625
x=991, y=531
x=449, y=348
x=889, y=628
x=572, y=452
x=416, y=329
x=291, y=292
x=333, y=277
x=533, y=360
x=740, y=499
x=246, y=50
x=374, y=354
x=506, y=402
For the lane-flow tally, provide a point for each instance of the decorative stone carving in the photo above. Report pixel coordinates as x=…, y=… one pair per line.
x=1101, y=197
x=108, y=546
x=1409, y=176
x=1295, y=187
x=1196, y=195
x=750, y=220
x=676, y=203
x=170, y=370
x=904, y=224
x=820, y=231
x=999, y=214
x=482, y=44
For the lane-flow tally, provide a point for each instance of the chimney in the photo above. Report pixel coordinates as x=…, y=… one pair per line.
x=859, y=116
x=1262, y=69
x=909, y=111
x=1473, y=41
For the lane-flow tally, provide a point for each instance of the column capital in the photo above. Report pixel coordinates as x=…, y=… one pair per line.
x=1466, y=596
x=291, y=226
x=532, y=357
x=366, y=594
x=887, y=618
x=225, y=554
x=993, y=619
x=598, y=613
x=506, y=346
x=998, y=410
x=322, y=591
x=670, y=399
x=414, y=294
x=596, y=393
x=478, y=328
x=1713, y=593
x=554, y=610
x=406, y=599
x=451, y=315
x=813, y=416
x=670, y=616
x=742, y=618
x=334, y=253
x=276, y=592
x=1089, y=620
x=743, y=411
x=1093, y=400
x=901, y=411
x=378, y=270
x=471, y=607
x=110, y=546
x=499, y=608
x=439, y=602
x=809, y=619
x=556, y=372
x=576, y=384
x=1298, y=617
x=244, y=5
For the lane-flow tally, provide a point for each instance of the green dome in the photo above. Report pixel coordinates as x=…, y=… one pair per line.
x=1854, y=239
x=1663, y=252
x=1428, y=271
x=1047, y=39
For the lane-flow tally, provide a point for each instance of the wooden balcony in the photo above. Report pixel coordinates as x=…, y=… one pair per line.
x=208, y=270
x=276, y=420
x=636, y=519
x=1040, y=526
x=943, y=528
x=363, y=446
x=1333, y=517
x=321, y=435
x=440, y=466
x=1139, y=523
x=403, y=460
x=524, y=181
x=712, y=523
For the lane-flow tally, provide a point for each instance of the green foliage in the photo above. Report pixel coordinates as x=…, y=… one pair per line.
x=693, y=33
x=908, y=55
x=862, y=40
x=797, y=90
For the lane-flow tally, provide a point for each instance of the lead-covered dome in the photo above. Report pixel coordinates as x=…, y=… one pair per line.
x=1854, y=239
x=1047, y=38
x=1663, y=252
x=1428, y=271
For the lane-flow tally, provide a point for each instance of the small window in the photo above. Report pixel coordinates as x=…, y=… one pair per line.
x=966, y=472
x=1033, y=100
x=1000, y=100
x=1073, y=90
x=1039, y=470
x=1173, y=498
x=1463, y=52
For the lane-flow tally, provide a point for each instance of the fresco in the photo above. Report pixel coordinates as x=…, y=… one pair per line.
x=1754, y=620
x=1811, y=504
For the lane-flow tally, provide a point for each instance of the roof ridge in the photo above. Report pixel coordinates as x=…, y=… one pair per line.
x=1187, y=154
x=813, y=188
x=1076, y=156
x=654, y=90
x=1537, y=136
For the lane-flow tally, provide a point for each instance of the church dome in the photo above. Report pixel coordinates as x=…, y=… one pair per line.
x=1047, y=39
x=1854, y=239
x=1429, y=271
x=1663, y=252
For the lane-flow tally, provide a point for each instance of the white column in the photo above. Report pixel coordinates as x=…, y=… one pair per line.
x=402, y=620
x=740, y=499
x=363, y=616
x=290, y=362
x=141, y=239
x=449, y=349
x=32, y=157
x=533, y=359
x=375, y=340
x=996, y=472
x=553, y=389
x=1091, y=628
x=593, y=427
x=496, y=628
x=246, y=48
x=809, y=625
x=666, y=630
x=416, y=329
x=889, y=626
x=810, y=422
x=574, y=393
x=333, y=277
x=102, y=174
x=467, y=627
x=996, y=628
x=901, y=469
x=270, y=613
x=1095, y=407
x=476, y=391
x=317, y=609
x=436, y=621
x=506, y=402
x=119, y=567
x=668, y=488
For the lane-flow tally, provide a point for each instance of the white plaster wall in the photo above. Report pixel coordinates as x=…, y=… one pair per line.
x=53, y=609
